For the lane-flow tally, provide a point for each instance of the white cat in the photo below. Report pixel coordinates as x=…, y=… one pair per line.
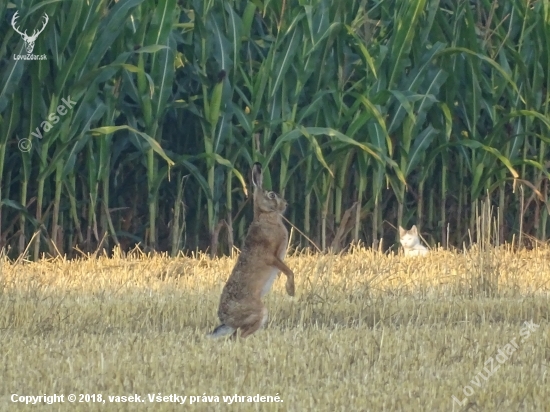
x=411, y=242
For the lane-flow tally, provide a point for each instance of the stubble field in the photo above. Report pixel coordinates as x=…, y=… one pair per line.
x=365, y=332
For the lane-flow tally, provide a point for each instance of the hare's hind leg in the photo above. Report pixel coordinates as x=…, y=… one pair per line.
x=254, y=322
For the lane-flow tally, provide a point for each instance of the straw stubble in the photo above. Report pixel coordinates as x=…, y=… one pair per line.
x=365, y=331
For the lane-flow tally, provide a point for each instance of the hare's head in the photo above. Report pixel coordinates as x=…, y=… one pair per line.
x=265, y=201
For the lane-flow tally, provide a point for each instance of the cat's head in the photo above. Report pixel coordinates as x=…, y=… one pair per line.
x=409, y=238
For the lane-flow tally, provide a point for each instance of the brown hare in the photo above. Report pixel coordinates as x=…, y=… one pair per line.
x=257, y=267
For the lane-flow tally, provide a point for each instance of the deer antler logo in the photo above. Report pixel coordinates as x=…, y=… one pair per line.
x=29, y=40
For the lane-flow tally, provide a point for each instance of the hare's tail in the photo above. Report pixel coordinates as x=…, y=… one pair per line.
x=222, y=330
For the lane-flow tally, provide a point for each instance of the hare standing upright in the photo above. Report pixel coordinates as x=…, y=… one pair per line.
x=257, y=267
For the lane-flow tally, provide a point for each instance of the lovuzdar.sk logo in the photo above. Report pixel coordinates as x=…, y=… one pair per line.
x=29, y=40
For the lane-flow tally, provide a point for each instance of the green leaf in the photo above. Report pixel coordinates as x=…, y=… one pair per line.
x=495, y=65
x=473, y=144
x=152, y=142
x=419, y=147
x=377, y=115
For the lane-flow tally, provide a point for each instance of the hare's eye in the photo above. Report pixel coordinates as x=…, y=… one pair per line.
x=271, y=195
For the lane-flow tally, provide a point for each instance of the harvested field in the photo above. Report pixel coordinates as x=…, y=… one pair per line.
x=365, y=332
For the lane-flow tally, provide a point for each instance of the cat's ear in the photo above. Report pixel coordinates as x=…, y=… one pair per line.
x=402, y=232
x=413, y=230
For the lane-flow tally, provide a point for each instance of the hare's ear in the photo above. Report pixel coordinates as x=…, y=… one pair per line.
x=414, y=231
x=257, y=177
x=402, y=232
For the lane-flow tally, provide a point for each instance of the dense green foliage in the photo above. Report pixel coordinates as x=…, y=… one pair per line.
x=368, y=114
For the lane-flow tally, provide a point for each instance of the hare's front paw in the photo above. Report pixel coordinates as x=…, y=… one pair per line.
x=290, y=286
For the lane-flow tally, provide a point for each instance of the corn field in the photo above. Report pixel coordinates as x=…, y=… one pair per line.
x=368, y=115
